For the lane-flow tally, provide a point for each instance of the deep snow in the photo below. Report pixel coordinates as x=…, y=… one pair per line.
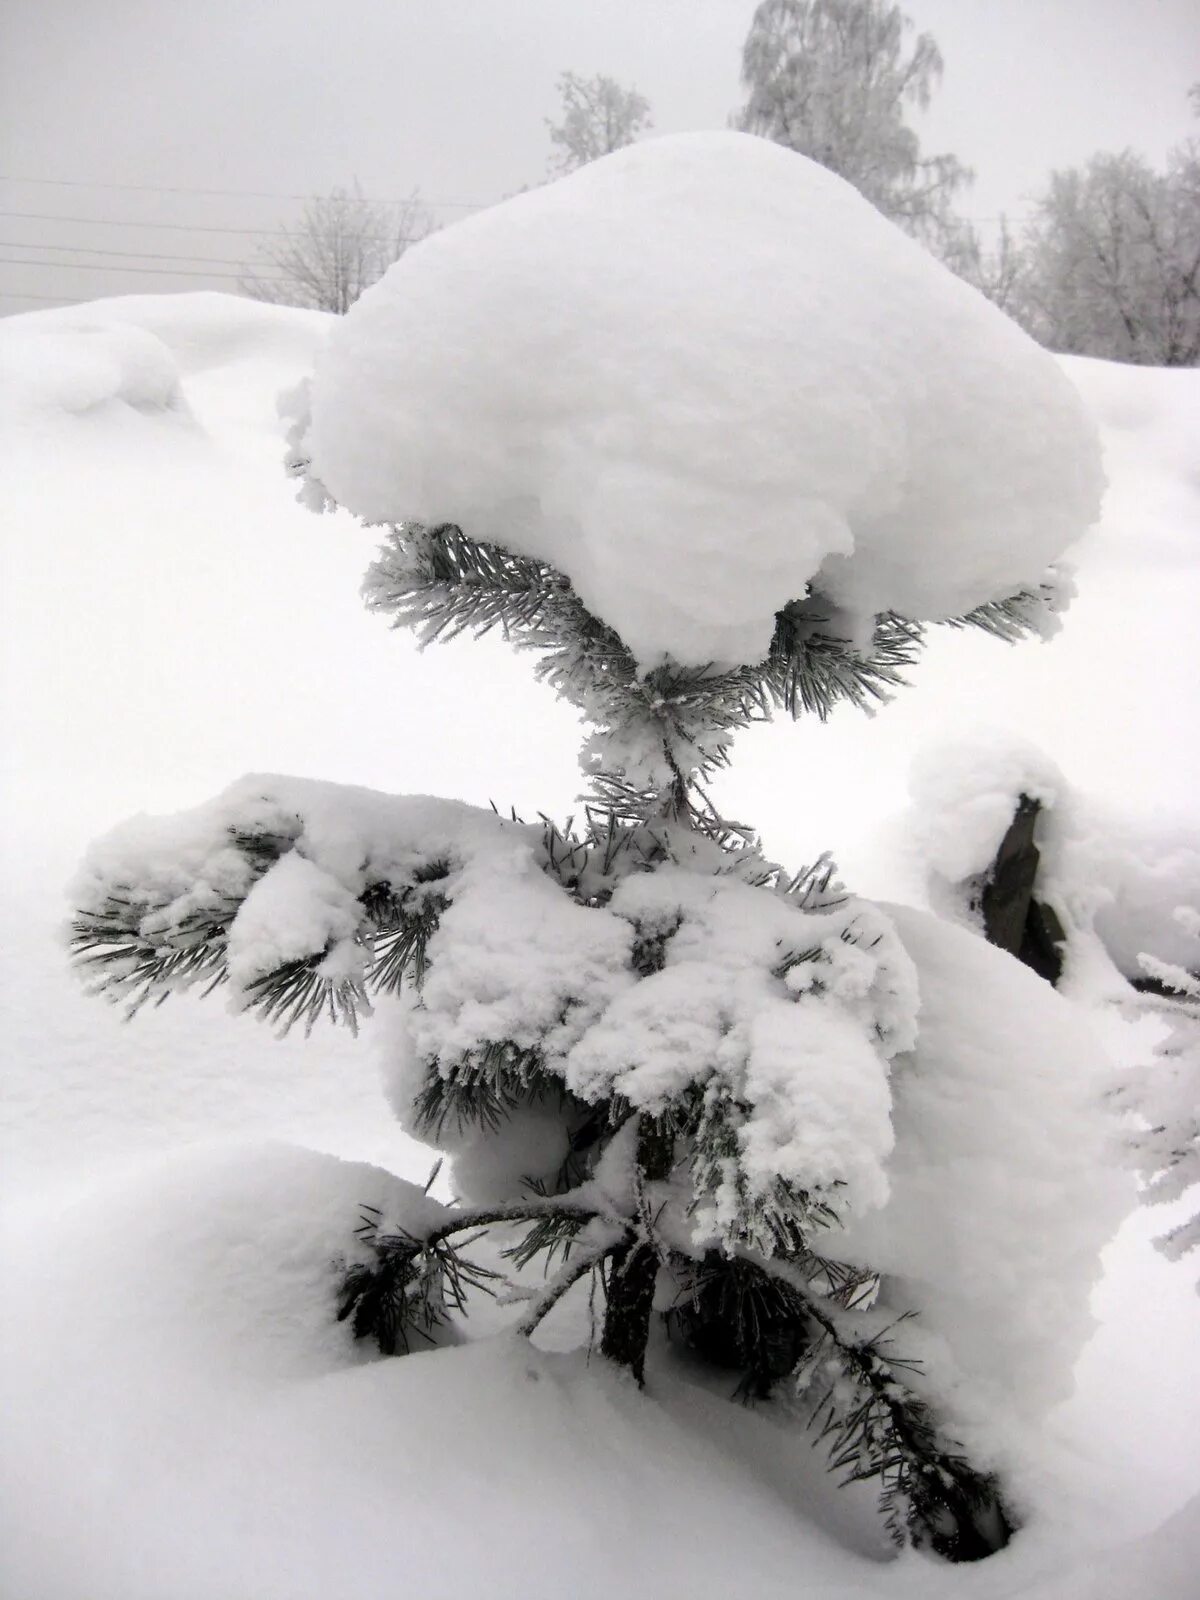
x=836, y=408
x=172, y=619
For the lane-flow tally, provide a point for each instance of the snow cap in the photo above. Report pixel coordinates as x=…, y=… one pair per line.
x=699, y=376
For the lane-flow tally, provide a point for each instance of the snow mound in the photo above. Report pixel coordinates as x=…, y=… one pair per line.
x=204, y=329
x=78, y=364
x=229, y=1259
x=197, y=1449
x=699, y=376
x=137, y=1471
x=1002, y=1185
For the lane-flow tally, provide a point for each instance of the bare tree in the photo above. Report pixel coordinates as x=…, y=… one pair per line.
x=342, y=244
x=598, y=116
x=1114, y=260
x=835, y=79
x=999, y=271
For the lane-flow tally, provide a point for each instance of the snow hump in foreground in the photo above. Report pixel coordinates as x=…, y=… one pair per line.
x=699, y=376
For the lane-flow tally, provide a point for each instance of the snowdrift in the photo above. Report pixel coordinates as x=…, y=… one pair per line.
x=201, y=329
x=223, y=1438
x=81, y=365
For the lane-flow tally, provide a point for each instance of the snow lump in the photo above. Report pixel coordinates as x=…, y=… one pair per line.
x=701, y=376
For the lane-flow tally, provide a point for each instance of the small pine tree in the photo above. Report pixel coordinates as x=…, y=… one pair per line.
x=658, y=1059
x=642, y=1158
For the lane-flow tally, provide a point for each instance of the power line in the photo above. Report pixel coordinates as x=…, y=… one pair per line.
x=11, y=294
x=247, y=194
x=161, y=272
x=103, y=250
x=193, y=227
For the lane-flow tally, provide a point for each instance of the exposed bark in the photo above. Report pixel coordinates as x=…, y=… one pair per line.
x=1012, y=919
x=634, y=1268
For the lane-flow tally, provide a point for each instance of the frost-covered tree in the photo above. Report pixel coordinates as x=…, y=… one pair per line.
x=836, y=80
x=1167, y=1145
x=598, y=117
x=998, y=270
x=1112, y=260
x=690, y=1084
x=342, y=244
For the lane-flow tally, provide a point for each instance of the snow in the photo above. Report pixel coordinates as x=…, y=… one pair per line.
x=157, y=568
x=842, y=413
x=1003, y=1188
x=965, y=795
x=204, y=1449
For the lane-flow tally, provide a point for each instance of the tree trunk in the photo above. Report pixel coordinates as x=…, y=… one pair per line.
x=634, y=1269
x=1013, y=918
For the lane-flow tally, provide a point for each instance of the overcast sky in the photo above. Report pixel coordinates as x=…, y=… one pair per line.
x=293, y=97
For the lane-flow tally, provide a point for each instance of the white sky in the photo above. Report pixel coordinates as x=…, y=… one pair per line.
x=450, y=97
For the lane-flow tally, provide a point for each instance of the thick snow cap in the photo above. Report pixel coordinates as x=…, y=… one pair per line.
x=699, y=376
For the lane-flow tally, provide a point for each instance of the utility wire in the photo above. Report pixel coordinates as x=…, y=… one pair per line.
x=196, y=227
x=248, y=194
x=162, y=272
x=103, y=250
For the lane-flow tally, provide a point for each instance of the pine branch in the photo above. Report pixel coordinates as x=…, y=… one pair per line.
x=404, y=920
x=134, y=948
x=414, y=1287
x=929, y=1493
x=880, y=1429
x=737, y=1317
x=482, y=1088
x=1027, y=613
x=586, y=1261
x=680, y=720
x=120, y=964
x=811, y=669
x=418, y=1281
x=776, y=1221
x=298, y=991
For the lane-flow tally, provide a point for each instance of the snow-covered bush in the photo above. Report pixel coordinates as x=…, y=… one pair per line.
x=710, y=437
x=1124, y=941
x=1167, y=1147
x=1114, y=883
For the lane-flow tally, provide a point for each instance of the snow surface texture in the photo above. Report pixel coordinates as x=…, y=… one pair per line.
x=842, y=411
x=223, y=1440
x=134, y=1476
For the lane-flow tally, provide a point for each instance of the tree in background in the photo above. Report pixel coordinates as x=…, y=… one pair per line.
x=834, y=80
x=998, y=271
x=598, y=116
x=1113, y=260
x=342, y=245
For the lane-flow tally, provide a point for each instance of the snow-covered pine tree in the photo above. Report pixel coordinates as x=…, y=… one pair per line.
x=664, y=1061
